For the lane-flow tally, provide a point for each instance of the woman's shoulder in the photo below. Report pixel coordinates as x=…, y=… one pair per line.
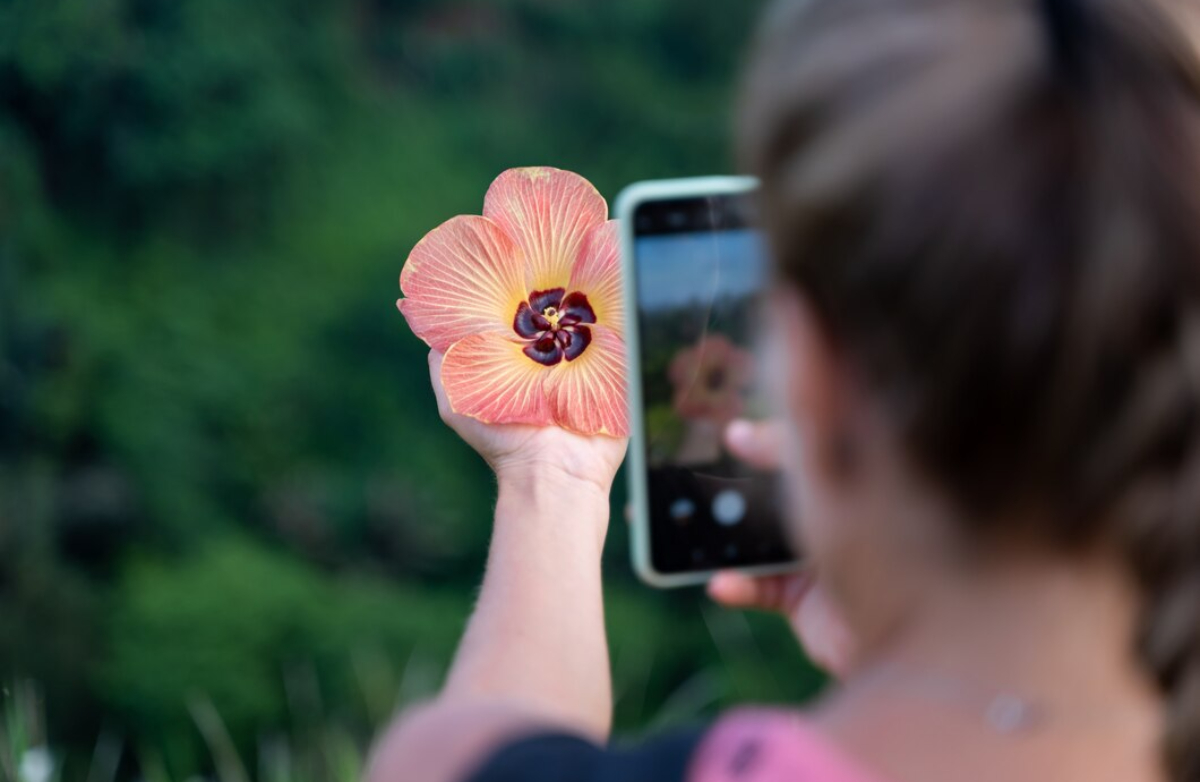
x=771, y=745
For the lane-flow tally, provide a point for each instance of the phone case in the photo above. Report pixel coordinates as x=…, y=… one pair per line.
x=626, y=204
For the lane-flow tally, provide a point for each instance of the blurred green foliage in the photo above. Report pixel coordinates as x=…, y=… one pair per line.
x=222, y=476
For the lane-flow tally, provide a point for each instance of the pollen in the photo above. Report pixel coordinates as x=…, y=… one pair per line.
x=552, y=314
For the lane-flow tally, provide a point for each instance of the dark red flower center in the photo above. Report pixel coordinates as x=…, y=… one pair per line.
x=553, y=323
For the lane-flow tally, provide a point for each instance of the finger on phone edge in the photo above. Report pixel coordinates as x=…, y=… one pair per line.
x=758, y=443
x=738, y=590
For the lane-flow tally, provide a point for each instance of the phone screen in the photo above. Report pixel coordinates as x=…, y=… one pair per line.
x=700, y=273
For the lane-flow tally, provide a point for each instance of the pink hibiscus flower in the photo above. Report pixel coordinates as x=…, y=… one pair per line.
x=525, y=302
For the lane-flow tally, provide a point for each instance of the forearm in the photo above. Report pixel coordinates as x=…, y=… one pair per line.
x=537, y=634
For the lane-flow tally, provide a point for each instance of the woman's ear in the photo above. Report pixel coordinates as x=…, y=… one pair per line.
x=810, y=381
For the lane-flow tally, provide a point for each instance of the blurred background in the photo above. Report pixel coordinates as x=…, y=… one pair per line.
x=234, y=535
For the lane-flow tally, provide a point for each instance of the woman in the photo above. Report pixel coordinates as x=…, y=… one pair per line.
x=986, y=216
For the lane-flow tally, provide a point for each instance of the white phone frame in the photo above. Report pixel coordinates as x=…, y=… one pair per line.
x=627, y=203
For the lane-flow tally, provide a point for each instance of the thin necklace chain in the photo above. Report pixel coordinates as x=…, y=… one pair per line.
x=1002, y=711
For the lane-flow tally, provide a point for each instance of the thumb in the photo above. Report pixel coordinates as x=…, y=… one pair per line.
x=439, y=391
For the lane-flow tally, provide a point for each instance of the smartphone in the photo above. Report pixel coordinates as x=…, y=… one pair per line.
x=695, y=269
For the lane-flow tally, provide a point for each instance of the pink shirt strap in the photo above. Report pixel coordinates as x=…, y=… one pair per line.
x=766, y=745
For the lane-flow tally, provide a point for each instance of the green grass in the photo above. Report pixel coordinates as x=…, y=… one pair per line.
x=655, y=688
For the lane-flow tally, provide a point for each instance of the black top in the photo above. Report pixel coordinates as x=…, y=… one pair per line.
x=562, y=757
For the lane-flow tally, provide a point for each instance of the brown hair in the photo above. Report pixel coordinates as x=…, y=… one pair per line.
x=994, y=206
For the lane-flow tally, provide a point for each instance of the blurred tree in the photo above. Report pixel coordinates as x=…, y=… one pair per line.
x=219, y=457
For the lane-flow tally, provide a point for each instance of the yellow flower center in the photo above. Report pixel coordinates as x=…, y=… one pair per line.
x=552, y=314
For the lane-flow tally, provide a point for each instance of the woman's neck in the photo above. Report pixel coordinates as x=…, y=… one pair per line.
x=1058, y=628
x=1056, y=634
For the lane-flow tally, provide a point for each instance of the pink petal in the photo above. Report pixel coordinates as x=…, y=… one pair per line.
x=587, y=395
x=597, y=274
x=547, y=212
x=487, y=377
x=464, y=277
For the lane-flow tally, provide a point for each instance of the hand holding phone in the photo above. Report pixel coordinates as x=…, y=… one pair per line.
x=798, y=595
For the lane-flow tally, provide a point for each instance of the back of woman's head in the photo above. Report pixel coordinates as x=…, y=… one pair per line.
x=993, y=207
